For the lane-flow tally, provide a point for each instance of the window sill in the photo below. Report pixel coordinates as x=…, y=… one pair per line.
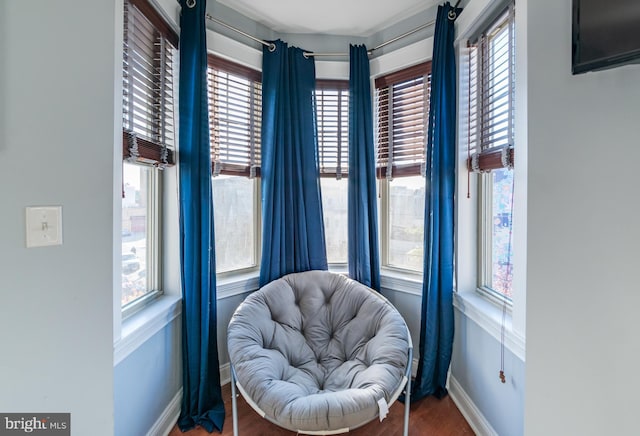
x=406, y=282
x=339, y=268
x=236, y=284
x=489, y=317
x=231, y=285
x=141, y=326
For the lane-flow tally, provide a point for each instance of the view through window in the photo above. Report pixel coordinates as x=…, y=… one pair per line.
x=135, y=259
x=501, y=246
x=334, y=208
x=235, y=222
x=406, y=223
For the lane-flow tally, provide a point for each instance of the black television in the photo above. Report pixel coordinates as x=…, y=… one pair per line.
x=606, y=34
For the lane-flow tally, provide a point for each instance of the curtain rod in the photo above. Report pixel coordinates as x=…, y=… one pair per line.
x=272, y=46
x=370, y=51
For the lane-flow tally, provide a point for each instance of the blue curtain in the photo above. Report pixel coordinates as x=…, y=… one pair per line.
x=201, y=396
x=436, y=327
x=292, y=223
x=364, y=262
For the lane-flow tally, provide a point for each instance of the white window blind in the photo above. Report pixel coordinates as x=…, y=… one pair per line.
x=491, y=95
x=235, y=114
x=332, y=112
x=402, y=102
x=148, y=109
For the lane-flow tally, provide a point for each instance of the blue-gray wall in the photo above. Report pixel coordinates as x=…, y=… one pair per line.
x=147, y=380
x=58, y=127
x=475, y=366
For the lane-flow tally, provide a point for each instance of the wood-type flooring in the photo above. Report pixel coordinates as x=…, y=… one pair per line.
x=428, y=417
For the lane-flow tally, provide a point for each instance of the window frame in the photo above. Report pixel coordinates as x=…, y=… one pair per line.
x=257, y=230
x=485, y=240
x=340, y=86
x=154, y=244
x=486, y=159
x=215, y=62
x=152, y=155
x=384, y=199
x=384, y=221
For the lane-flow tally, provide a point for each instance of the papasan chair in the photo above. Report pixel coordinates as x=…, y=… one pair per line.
x=318, y=353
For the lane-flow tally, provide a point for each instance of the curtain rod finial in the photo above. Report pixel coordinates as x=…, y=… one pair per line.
x=452, y=15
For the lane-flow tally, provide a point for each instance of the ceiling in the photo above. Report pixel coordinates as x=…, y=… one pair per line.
x=334, y=17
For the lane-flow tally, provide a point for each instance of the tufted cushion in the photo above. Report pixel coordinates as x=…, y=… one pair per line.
x=315, y=351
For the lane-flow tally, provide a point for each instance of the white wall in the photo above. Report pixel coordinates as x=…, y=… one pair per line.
x=583, y=237
x=57, y=136
x=475, y=366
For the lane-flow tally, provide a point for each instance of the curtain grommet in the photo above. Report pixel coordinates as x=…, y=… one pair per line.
x=191, y=4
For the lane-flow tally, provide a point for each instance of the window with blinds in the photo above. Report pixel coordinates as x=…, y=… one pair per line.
x=149, y=47
x=491, y=96
x=235, y=117
x=489, y=72
x=332, y=115
x=402, y=101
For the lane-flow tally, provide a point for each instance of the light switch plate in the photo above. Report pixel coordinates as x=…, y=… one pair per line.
x=44, y=226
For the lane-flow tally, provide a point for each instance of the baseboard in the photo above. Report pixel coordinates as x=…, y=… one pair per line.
x=170, y=415
x=225, y=374
x=472, y=414
x=168, y=418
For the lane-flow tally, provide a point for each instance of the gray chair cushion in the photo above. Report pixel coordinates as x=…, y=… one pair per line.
x=315, y=351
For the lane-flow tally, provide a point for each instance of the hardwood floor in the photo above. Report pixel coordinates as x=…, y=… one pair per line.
x=428, y=416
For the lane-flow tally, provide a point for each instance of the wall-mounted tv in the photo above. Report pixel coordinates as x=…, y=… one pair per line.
x=606, y=33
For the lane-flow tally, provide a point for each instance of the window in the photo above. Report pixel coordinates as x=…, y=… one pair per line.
x=402, y=102
x=404, y=230
x=149, y=50
x=148, y=142
x=491, y=149
x=332, y=112
x=139, y=233
x=235, y=111
x=236, y=222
